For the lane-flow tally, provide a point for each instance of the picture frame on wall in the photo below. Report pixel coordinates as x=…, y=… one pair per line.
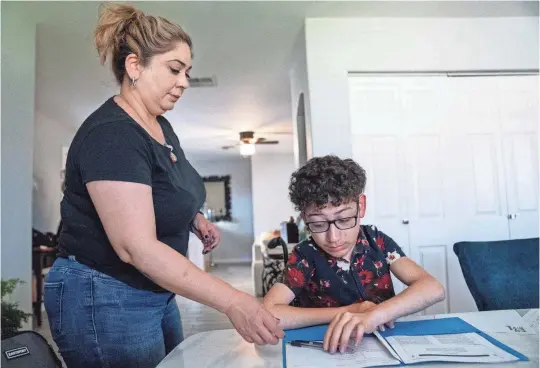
x=218, y=198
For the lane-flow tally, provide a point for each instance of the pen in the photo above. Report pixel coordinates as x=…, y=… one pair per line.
x=311, y=344
x=316, y=344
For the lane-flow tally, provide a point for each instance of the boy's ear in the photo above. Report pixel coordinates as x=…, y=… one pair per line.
x=362, y=205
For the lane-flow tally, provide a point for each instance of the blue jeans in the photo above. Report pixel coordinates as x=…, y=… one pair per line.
x=98, y=321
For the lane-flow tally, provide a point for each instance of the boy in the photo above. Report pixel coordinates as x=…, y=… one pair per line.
x=341, y=274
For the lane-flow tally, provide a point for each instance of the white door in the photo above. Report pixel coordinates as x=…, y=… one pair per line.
x=476, y=164
x=377, y=140
x=519, y=125
x=425, y=116
x=433, y=151
x=476, y=173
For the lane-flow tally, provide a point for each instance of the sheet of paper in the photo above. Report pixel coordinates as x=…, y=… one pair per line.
x=531, y=318
x=488, y=322
x=469, y=347
x=369, y=353
x=385, y=343
x=496, y=321
x=523, y=343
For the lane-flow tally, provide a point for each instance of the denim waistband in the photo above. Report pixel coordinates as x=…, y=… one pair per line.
x=71, y=265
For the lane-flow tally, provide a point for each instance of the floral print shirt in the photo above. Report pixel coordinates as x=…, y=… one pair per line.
x=320, y=280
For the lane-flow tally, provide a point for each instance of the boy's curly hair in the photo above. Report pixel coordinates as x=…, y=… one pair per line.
x=324, y=180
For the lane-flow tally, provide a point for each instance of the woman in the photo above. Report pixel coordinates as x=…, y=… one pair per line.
x=131, y=199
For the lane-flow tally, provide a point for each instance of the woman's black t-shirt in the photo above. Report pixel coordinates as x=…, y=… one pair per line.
x=110, y=145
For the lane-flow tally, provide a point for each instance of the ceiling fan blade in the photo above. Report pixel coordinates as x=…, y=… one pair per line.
x=266, y=142
x=276, y=133
x=225, y=148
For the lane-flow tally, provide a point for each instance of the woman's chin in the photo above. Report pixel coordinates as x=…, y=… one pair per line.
x=167, y=106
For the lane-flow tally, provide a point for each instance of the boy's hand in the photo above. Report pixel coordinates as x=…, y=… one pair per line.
x=364, y=307
x=345, y=326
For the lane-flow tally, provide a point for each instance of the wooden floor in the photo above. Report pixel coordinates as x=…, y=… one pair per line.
x=195, y=317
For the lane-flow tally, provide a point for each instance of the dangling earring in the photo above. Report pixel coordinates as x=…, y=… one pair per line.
x=133, y=81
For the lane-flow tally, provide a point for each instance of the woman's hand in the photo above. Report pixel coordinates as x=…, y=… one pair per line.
x=206, y=231
x=345, y=326
x=364, y=307
x=252, y=321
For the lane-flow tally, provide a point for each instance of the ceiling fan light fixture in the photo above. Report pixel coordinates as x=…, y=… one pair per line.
x=247, y=149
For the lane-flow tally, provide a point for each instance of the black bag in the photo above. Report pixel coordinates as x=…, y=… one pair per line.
x=28, y=349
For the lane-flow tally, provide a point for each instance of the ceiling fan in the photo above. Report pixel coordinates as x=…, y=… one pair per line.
x=247, y=143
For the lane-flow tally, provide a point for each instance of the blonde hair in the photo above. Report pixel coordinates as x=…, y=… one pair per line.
x=123, y=29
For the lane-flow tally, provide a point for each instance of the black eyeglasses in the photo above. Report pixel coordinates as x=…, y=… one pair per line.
x=341, y=223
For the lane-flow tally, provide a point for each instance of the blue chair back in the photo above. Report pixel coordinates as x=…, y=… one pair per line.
x=501, y=274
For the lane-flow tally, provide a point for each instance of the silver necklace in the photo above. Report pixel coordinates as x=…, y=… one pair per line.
x=172, y=155
x=170, y=147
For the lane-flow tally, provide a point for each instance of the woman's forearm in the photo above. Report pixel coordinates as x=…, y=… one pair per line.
x=174, y=272
x=416, y=297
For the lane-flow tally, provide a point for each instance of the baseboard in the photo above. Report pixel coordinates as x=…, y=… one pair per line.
x=231, y=261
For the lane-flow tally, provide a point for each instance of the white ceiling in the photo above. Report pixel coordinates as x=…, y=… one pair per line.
x=246, y=45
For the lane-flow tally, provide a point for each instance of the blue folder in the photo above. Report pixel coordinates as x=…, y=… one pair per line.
x=442, y=326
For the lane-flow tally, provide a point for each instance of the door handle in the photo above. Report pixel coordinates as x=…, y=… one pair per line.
x=405, y=222
x=512, y=216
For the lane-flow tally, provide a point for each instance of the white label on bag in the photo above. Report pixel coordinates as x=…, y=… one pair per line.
x=16, y=353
